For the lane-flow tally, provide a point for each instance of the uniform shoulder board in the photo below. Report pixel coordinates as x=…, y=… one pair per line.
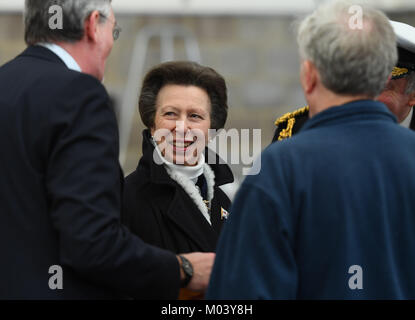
x=286, y=123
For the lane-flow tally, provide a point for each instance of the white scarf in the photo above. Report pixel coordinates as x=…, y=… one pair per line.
x=186, y=177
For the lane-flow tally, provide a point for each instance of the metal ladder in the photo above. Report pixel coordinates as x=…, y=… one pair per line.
x=167, y=35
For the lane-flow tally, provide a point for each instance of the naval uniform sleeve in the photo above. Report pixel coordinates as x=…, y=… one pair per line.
x=255, y=258
x=83, y=182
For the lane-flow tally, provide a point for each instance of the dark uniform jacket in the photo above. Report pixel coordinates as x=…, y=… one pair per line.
x=60, y=191
x=157, y=208
x=290, y=123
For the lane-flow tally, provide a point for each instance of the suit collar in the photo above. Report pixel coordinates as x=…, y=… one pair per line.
x=64, y=55
x=41, y=53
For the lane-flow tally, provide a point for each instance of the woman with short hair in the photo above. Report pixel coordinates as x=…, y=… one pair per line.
x=173, y=199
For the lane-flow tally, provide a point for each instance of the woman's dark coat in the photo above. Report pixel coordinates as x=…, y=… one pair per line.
x=159, y=211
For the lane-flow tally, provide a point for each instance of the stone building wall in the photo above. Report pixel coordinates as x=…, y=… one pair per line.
x=256, y=55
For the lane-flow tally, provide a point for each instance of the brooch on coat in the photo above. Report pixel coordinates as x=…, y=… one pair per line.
x=206, y=202
x=223, y=214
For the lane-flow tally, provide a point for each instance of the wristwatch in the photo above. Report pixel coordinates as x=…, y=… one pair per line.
x=188, y=271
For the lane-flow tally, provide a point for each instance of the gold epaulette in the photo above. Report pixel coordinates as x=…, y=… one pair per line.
x=290, y=118
x=399, y=72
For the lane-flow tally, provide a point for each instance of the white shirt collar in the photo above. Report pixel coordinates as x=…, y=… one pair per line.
x=407, y=122
x=63, y=55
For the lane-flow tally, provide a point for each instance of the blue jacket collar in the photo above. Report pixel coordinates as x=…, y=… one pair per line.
x=360, y=110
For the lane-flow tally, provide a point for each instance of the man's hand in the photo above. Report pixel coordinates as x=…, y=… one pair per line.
x=202, y=267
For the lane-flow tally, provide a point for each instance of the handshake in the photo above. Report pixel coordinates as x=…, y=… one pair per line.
x=195, y=270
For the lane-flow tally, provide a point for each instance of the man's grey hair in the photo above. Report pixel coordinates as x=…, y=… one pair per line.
x=350, y=60
x=74, y=14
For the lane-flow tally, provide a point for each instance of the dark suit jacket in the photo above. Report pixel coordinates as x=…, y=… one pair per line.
x=60, y=190
x=158, y=210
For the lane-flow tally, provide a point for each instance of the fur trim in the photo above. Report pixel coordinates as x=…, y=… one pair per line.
x=210, y=180
x=190, y=188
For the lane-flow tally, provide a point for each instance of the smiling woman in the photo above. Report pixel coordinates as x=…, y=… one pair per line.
x=185, y=112
x=173, y=199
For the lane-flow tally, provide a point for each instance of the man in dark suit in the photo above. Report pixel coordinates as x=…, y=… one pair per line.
x=60, y=186
x=399, y=94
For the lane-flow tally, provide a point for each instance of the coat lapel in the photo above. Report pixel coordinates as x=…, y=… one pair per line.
x=217, y=220
x=43, y=53
x=185, y=214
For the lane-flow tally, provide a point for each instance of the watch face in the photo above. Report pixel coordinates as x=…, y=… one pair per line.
x=187, y=267
x=188, y=271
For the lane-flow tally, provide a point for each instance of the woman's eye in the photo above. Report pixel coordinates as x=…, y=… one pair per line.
x=170, y=113
x=194, y=115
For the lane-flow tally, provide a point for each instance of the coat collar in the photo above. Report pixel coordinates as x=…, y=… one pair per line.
x=194, y=225
x=179, y=210
x=41, y=53
x=158, y=173
x=357, y=110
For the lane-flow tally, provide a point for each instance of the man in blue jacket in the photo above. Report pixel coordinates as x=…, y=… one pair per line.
x=331, y=214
